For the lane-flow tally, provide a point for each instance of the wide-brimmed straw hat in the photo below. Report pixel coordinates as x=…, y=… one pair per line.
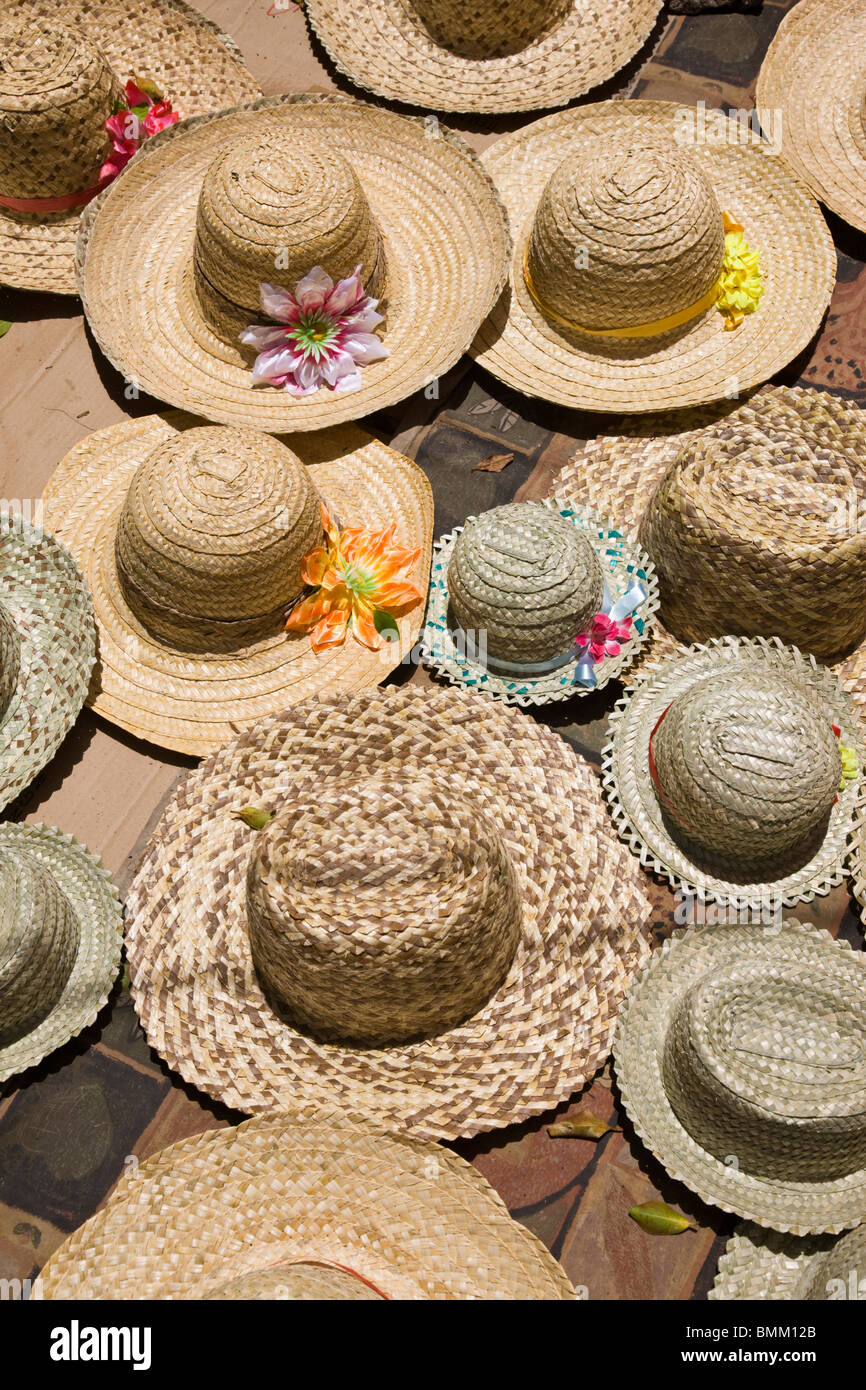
x=769, y=1265
x=47, y=650
x=513, y=590
x=60, y=940
x=485, y=56
x=262, y=196
x=811, y=94
x=318, y=1206
x=64, y=66
x=192, y=537
x=741, y=1058
x=435, y=929
x=858, y=857
x=624, y=218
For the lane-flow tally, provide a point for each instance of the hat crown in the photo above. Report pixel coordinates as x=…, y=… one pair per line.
x=382, y=911
x=10, y=659
x=840, y=1271
x=625, y=238
x=39, y=937
x=301, y=1279
x=489, y=28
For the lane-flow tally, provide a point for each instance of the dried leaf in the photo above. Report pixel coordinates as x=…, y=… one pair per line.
x=253, y=816
x=494, y=464
x=5, y=325
x=584, y=1125
x=660, y=1219
x=124, y=978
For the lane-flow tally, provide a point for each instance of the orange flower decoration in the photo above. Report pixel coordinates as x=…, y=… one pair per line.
x=356, y=579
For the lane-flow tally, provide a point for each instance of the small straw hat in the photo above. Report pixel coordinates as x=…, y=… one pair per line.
x=811, y=92
x=318, y=1206
x=724, y=772
x=63, y=69
x=484, y=55
x=435, y=928
x=767, y=1265
x=622, y=216
x=511, y=591
x=47, y=650
x=858, y=857
x=740, y=1055
x=358, y=188
x=192, y=537
x=60, y=940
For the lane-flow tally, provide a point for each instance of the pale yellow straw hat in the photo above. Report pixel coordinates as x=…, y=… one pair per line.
x=766, y=1265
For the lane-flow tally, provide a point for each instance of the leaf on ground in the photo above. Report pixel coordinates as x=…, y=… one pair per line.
x=660, y=1219
x=5, y=325
x=584, y=1125
x=494, y=463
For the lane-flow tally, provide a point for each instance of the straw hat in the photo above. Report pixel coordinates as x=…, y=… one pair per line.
x=724, y=773
x=358, y=187
x=617, y=212
x=436, y=927
x=47, y=650
x=741, y=1058
x=812, y=93
x=63, y=67
x=322, y=1205
x=191, y=538
x=858, y=857
x=486, y=56
x=511, y=591
x=766, y=1265
x=60, y=939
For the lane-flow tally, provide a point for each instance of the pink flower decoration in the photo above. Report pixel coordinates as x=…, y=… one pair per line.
x=143, y=116
x=324, y=334
x=603, y=637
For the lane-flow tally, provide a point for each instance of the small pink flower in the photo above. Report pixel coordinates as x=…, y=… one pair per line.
x=603, y=637
x=143, y=116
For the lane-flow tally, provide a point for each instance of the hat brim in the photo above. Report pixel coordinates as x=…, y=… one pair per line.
x=700, y=362
x=759, y=1264
x=195, y=701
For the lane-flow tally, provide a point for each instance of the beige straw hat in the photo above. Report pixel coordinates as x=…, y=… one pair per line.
x=767, y=1265
x=321, y=1205
x=60, y=940
x=435, y=929
x=264, y=195
x=621, y=249
x=858, y=857
x=741, y=1058
x=47, y=650
x=812, y=93
x=64, y=65
x=484, y=55
x=191, y=538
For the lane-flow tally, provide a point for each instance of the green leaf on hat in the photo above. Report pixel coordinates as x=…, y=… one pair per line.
x=385, y=623
x=253, y=816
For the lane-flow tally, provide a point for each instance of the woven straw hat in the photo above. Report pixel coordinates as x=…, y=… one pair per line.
x=63, y=65
x=47, y=650
x=812, y=92
x=191, y=538
x=487, y=55
x=357, y=186
x=767, y=1265
x=723, y=772
x=525, y=579
x=439, y=868
x=320, y=1205
x=858, y=857
x=60, y=939
x=617, y=211
x=741, y=1058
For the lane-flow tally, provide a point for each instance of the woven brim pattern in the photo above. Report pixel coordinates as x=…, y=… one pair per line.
x=413, y=1219
x=766, y=1265
x=700, y=362
x=386, y=49
x=810, y=91
x=93, y=897
x=858, y=858
x=188, y=57
x=193, y=701
x=50, y=606
x=585, y=917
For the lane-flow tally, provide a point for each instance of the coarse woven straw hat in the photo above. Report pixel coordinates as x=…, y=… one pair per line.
x=766, y=1265
x=47, y=650
x=858, y=857
x=306, y=181
x=811, y=93
x=525, y=579
x=485, y=55
x=320, y=1205
x=616, y=211
x=60, y=940
x=740, y=1055
x=63, y=65
x=191, y=539
x=723, y=772
x=439, y=869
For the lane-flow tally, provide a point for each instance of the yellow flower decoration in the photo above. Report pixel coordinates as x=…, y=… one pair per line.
x=741, y=281
x=850, y=766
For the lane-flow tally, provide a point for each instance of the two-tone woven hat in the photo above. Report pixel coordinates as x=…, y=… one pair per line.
x=192, y=540
x=768, y=1265
x=318, y=1206
x=47, y=650
x=483, y=55
x=633, y=282
x=268, y=195
x=741, y=1059
x=60, y=940
x=64, y=66
x=435, y=928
